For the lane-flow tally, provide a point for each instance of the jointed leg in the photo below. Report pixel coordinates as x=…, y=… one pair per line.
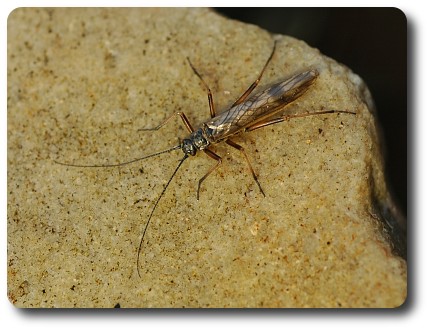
x=287, y=117
x=243, y=97
x=215, y=157
x=242, y=150
x=210, y=98
x=183, y=118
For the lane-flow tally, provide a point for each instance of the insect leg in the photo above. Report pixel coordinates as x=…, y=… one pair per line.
x=242, y=150
x=210, y=98
x=183, y=118
x=216, y=158
x=243, y=97
x=288, y=117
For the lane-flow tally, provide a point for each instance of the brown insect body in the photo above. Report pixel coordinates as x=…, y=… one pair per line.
x=259, y=107
x=248, y=113
x=253, y=112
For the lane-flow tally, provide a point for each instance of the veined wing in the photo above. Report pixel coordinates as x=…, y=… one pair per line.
x=260, y=106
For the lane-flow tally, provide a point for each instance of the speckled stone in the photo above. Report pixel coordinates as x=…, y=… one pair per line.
x=81, y=82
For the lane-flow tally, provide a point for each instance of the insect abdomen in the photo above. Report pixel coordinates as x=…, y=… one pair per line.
x=259, y=107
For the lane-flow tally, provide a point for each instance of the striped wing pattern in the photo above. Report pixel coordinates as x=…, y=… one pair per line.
x=260, y=106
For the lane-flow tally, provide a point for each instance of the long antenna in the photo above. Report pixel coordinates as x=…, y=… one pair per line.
x=117, y=164
x=153, y=209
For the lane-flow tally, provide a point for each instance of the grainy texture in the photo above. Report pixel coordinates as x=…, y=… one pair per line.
x=80, y=84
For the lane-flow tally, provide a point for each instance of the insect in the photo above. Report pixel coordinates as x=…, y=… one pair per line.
x=246, y=114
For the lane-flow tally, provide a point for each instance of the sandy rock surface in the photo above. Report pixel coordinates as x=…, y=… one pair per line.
x=81, y=82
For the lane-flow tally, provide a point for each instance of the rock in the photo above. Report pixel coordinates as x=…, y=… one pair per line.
x=81, y=82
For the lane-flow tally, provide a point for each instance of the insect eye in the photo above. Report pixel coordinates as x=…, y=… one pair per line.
x=188, y=148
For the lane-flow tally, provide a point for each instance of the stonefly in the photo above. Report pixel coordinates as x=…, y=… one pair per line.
x=246, y=114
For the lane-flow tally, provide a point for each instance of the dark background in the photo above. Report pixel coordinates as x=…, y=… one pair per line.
x=370, y=41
